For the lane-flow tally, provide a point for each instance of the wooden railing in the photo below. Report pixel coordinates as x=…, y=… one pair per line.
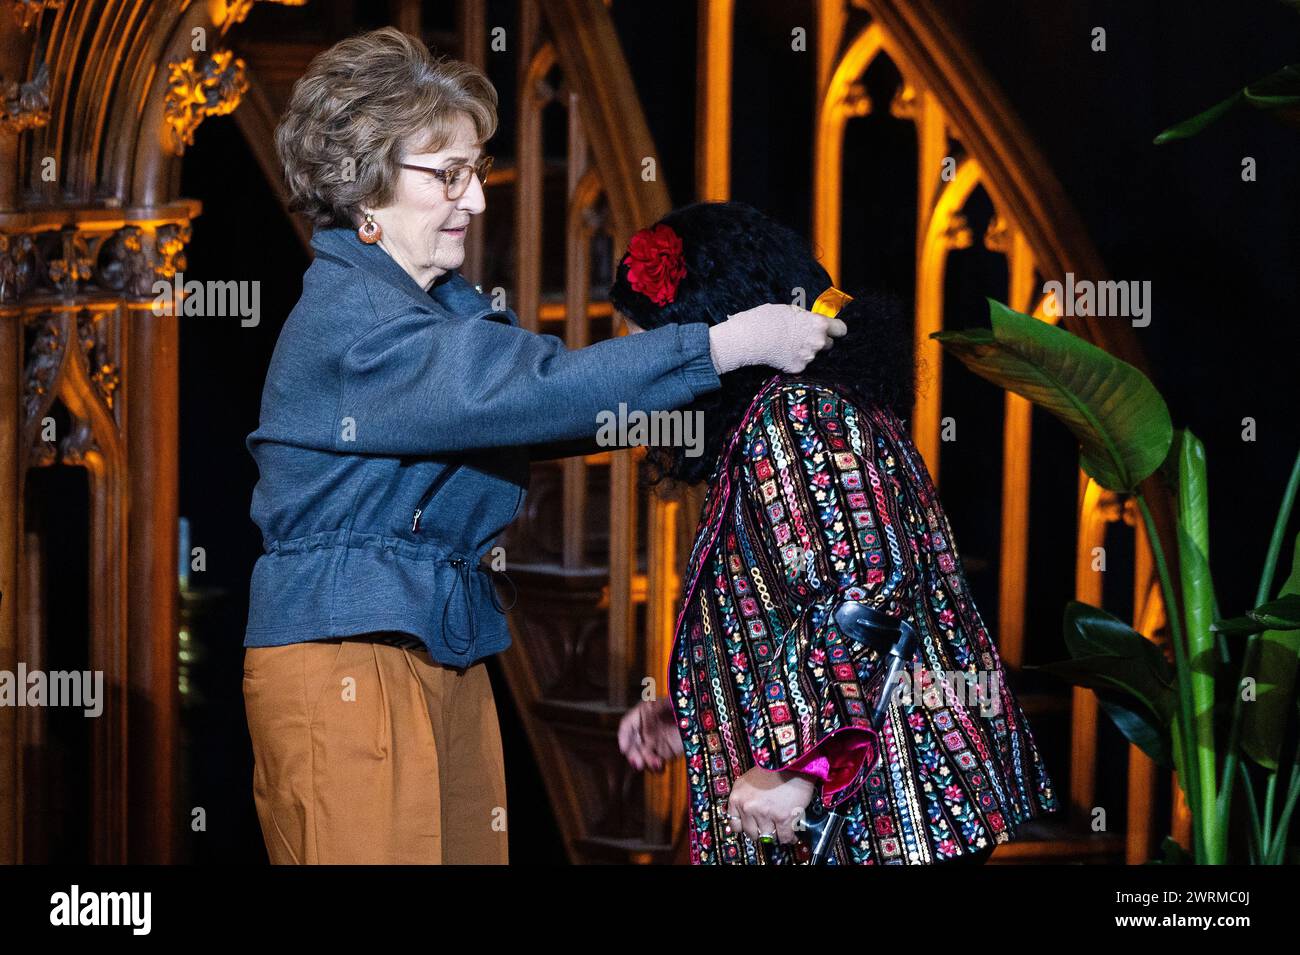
x=573, y=682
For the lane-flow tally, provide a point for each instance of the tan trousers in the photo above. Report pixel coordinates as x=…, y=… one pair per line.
x=368, y=753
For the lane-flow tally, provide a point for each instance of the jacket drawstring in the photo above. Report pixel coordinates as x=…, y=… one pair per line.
x=514, y=591
x=462, y=568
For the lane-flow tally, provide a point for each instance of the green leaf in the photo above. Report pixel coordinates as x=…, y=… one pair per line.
x=1197, y=590
x=1089, y=631
x=1190, y=127
x=1280, y=614
x=1238, y=626
x=1278, y=91
x=1171, y=853
x=1139, y=727
x=1130, y=675
x=1264, y=720
x=1119, y=418
x=1122, y=675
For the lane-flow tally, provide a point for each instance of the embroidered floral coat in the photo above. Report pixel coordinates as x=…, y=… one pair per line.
x=816, y=500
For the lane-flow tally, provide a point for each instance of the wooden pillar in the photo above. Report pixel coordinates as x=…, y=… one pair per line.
x=77, y=267
x=153, y=442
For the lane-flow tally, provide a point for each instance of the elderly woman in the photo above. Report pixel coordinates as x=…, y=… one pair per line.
x=817, y=497
x=393, y=446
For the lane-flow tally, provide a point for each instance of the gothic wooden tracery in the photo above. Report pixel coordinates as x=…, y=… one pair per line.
x=101, y=98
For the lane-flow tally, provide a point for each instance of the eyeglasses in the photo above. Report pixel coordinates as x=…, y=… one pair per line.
x=456, y=178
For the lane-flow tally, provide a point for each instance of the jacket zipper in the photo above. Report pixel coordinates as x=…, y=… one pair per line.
x=438, y=482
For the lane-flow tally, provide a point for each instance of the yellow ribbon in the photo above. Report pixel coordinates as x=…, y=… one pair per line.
x=831, y=301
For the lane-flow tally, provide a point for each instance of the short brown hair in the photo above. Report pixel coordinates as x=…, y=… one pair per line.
x=364, y=100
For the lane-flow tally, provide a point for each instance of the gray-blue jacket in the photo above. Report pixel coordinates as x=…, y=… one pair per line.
x=393, y=446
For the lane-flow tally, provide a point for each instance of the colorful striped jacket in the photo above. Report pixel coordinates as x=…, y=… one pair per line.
x=818, y=499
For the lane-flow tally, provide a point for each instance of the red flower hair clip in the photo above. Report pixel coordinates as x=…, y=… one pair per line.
x=654, y=263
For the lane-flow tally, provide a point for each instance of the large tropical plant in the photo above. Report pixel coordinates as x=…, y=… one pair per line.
x=1226, y=704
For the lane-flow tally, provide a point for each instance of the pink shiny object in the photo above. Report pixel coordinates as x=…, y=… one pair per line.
x=837, y=760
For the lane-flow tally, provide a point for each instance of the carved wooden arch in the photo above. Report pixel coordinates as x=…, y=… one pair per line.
x=108, y=94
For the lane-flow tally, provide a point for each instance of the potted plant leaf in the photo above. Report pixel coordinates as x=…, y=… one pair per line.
x=1246, y=664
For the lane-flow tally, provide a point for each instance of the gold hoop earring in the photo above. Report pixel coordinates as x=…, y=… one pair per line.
x=370, y=232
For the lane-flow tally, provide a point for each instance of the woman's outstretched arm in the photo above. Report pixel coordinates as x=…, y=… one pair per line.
x=414, y=386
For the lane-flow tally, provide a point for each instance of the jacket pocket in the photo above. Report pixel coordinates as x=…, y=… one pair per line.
x=431, y=492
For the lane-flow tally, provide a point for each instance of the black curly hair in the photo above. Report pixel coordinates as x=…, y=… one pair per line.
x=736, y=258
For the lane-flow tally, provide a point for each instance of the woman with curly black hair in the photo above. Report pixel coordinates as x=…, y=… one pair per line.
x=817, y=496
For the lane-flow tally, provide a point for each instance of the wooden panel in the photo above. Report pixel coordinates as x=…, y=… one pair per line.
x=79, y=264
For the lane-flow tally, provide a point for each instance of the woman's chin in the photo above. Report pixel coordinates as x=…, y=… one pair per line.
x=449, y=255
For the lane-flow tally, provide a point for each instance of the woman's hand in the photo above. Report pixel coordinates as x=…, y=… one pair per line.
x=764, y=802
x=780, y=336
x=648, y=734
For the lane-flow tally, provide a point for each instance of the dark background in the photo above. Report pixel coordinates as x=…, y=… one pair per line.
x=1220, y=253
